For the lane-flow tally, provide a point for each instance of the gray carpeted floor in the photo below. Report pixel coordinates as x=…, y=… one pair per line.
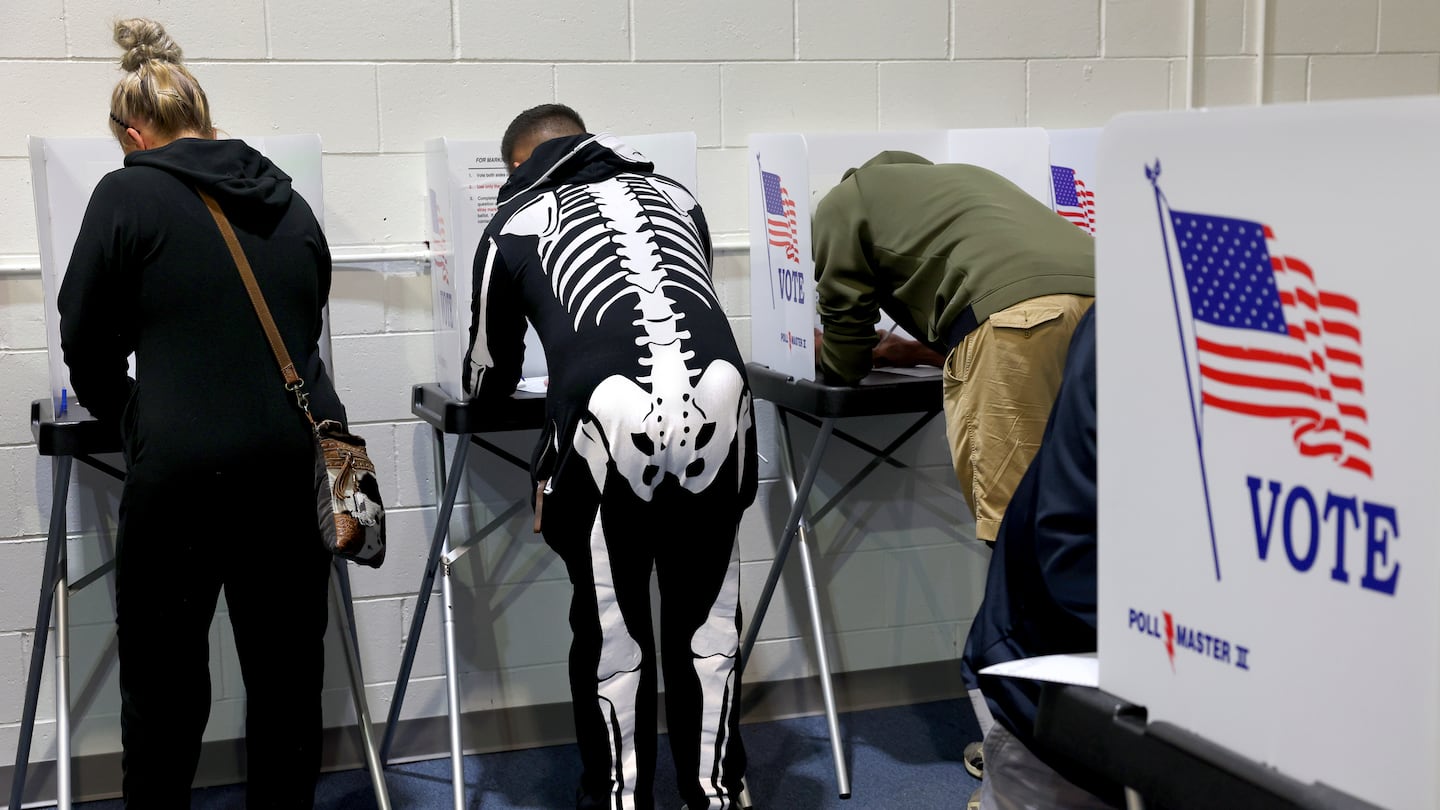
x=906, y=757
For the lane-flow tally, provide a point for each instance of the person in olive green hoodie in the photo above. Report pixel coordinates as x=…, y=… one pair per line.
x=980, y=272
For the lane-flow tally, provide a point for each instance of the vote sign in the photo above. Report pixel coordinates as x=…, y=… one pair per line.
x=1268, y=447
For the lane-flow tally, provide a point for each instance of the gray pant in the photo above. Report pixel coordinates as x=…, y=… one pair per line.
x=1016, y=779
x=982, y=712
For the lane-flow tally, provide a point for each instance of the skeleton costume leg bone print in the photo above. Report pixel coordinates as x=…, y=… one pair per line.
x=650, y=463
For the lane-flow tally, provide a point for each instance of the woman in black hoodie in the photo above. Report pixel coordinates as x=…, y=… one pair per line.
x=219, y=490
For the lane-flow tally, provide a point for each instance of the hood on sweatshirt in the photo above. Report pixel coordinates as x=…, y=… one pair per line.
x=230, y=170
x=890, y=157
x=573, y=160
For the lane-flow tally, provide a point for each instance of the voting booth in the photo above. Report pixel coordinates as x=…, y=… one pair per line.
x=1269, y=454
x=63, y=174
x=463, y=178
x=790, y=173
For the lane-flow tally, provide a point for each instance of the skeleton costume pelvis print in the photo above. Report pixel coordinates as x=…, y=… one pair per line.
x=648, y=460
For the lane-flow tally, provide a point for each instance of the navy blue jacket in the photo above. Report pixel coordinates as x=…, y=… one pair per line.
x=1040, y=592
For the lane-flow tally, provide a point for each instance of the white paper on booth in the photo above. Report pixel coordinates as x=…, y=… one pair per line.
x=1080, y=669
x=920, y=372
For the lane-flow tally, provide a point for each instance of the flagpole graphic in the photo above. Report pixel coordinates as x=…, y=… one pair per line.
x=768, y=262
x=1153, y=174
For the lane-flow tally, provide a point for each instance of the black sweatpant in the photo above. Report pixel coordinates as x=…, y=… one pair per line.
x=180, y=542
x=688, y=539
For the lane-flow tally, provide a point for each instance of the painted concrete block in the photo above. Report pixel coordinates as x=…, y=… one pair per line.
x=22, y=303
x=1026, y=29
x=557, y=30
x=456, y=100
x=35, y=30
x=1386, y=74
x=1086, y=93
x=1323, y=26
x=700, y=30
x=374, y=199
x=1409, y=25
x=204, y=30
x=863, y=29
x=371, y=31
x=637, y=97
x=335, y=100
x=17, y=222
x=794, y=96
x=945, y=95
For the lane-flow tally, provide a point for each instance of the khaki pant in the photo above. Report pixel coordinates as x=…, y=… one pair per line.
x=1000, y=384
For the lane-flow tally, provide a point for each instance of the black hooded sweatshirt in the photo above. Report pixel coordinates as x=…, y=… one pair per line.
x=513, y=282
x=151, y=275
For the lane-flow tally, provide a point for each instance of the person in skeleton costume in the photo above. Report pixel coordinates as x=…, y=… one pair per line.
x=648, y=458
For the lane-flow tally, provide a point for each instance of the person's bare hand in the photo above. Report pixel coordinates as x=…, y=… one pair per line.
x=899, y=352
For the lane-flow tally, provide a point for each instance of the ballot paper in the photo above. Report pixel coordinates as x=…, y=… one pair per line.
x=923, y=372
x=534, y=385
x=1081, y=669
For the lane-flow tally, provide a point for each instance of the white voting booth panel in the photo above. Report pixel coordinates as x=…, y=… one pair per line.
x=64, y=173
x=463, y=178
x=1073, y=154
x=790, y=173
x=1269, y=453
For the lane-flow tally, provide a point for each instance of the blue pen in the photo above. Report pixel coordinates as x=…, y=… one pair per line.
x=64, y=401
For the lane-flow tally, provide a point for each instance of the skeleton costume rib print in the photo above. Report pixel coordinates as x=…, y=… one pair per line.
x=649, y=457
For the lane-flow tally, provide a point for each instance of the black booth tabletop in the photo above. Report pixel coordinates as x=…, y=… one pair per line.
x=522, y=411
x=77, y=433
x=73, y=433
x=879, y=393
x=1166, y=764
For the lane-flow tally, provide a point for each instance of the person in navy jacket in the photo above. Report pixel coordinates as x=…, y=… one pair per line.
x=1040, y=597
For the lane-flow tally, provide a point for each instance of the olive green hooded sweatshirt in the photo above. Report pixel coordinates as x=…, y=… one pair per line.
x=939, y=248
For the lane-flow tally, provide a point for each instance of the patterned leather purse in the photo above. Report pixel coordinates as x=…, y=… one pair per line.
x=351, y=515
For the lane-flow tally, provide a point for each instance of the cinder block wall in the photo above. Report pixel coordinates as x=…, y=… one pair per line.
x=899, y=571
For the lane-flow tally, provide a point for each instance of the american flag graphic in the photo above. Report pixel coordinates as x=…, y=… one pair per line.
x=1073, y=200
x=779, y=216
x=1269, y=341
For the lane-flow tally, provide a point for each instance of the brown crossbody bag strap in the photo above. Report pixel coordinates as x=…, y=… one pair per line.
x=293, y=383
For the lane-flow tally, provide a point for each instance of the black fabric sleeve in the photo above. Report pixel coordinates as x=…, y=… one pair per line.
x=328, y=404
x=702, y=227
x=497, y=328
x=846, y=288
x=95, y=336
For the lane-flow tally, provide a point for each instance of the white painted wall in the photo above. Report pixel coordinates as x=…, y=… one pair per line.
x=899, y=570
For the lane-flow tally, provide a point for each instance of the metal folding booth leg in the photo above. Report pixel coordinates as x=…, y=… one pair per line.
x=447, y=605
x=438, y=547
x=797, y=526
x=452, y=686
x=345, y=610
x=54, y=592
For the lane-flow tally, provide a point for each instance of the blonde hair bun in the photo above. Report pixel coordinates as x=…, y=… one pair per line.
x=144, y=41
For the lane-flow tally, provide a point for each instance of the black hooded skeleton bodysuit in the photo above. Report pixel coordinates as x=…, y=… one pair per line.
x=648, y=459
